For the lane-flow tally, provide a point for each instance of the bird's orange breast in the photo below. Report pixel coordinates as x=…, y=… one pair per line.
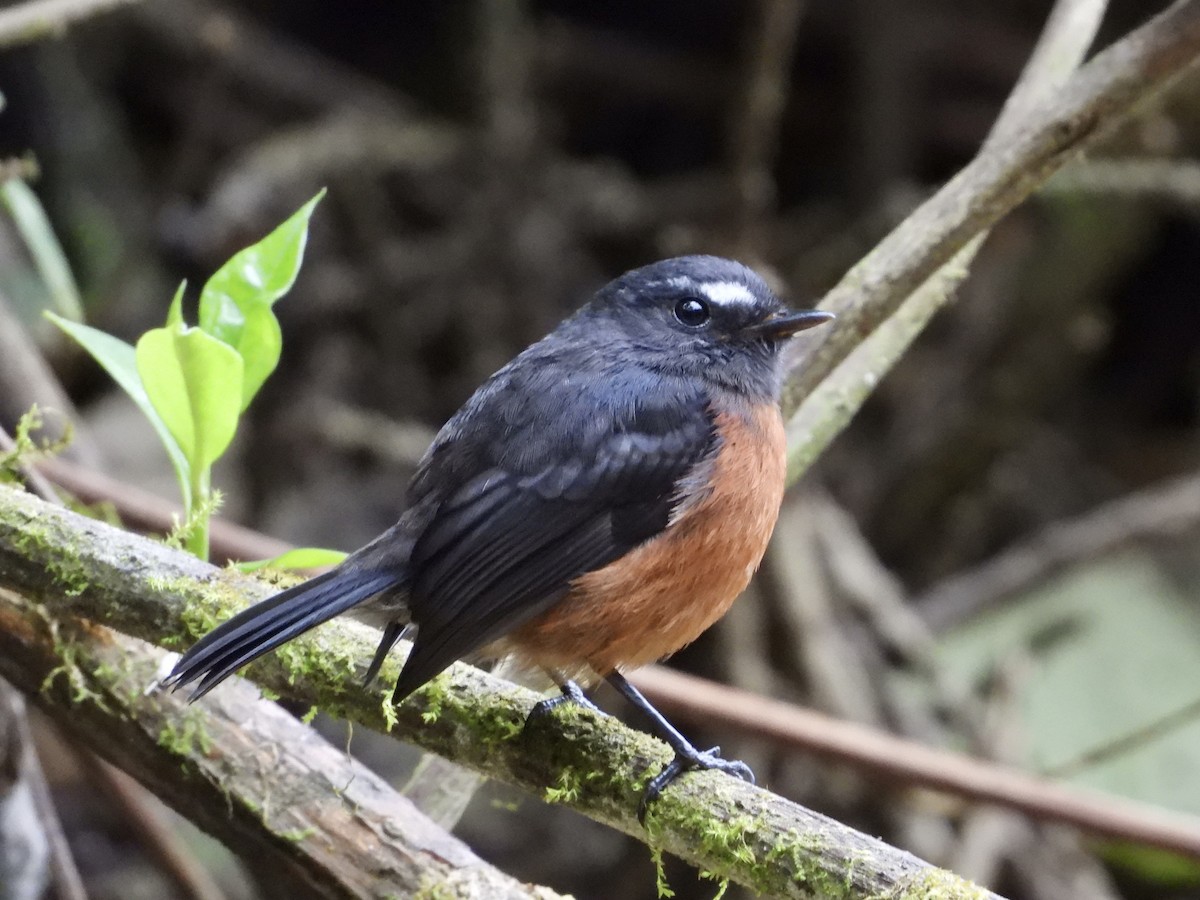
x=663, y=594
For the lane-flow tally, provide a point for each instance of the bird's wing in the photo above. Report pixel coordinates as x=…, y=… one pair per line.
x=559, y=496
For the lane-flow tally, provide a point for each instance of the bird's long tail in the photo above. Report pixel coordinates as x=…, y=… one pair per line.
x=275, y=621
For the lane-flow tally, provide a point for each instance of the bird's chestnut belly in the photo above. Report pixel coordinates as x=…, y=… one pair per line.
x=663, y=594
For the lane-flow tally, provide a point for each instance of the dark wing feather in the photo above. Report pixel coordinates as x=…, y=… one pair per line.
x=577, y=483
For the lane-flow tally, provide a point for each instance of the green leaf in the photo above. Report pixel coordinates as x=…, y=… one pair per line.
x=194, y=381
x=175, y=311
x=235, y=304
x=298, y=558
x=119, y=360
x=47, y=253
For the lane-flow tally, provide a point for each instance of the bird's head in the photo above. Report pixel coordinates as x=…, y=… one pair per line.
x=699, y=316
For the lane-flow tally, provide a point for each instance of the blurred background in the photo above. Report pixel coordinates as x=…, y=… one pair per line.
x=488, y=166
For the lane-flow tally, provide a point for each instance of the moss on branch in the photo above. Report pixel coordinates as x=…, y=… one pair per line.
x=80, y=569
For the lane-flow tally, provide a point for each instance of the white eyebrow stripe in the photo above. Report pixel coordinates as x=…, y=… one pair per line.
x=728, y=293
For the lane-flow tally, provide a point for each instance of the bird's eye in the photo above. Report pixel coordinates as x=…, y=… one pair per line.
x=692, y=312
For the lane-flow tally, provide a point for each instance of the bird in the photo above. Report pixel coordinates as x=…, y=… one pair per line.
x=595, y=505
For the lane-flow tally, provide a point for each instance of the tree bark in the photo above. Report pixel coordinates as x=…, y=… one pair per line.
x=61, y=569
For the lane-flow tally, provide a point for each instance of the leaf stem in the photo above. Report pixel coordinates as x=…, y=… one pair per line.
x=198, y=512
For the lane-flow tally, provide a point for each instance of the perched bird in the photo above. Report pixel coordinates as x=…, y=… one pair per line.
x=597, y=504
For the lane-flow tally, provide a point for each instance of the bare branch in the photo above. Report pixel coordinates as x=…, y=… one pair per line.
x=145, y=511
x=1173, y=180
x=190, y=876
x=1162, y=511
x=24, y=844
x=241, y=767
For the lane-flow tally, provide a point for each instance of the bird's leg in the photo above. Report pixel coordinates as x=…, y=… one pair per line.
x=686, y=755
x=571, y=693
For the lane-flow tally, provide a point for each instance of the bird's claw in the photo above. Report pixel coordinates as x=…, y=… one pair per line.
x=686, y=759
x=571, y=693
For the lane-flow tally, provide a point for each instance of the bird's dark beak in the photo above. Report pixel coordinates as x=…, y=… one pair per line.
x=783, y=325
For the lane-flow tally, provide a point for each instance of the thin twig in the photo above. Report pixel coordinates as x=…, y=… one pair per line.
x=34, y=479
x=144, y=511
x=828, y=409
x=754, y=136
x=64, y=873
x=24, y=846
x=894, y=759
x=1173, y=180
x=173, y=855
x=1165, y=510
x=26, y=378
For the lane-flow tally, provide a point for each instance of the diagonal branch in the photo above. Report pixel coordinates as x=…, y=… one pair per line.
x=241, y=767
x=75, y=567
x=894, y=759
x=1006, y=171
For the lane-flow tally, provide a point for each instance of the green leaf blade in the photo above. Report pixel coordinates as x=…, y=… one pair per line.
x=194, y=382
x=118, y=359
x=297, y=558
x=235, y=304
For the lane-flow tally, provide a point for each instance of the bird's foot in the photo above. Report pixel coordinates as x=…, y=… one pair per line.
x=687, y=758
x=571, y=693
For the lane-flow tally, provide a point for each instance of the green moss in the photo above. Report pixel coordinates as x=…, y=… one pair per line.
x=38, y=540
x=68, y=668
x=936, y=884
x=209, y=603
x=490, y=726
x=296, y=835
x=722, y=883
x=661, y=885
x=124, y=679
x=79, y=685
x=801, y=850
x=26, y=448
x=727, y=839
x=570, y=785
x=329, y=660
x=434, y=695
x=436, y=890
x=389, y=714
x=185, y=735
x=756, y=855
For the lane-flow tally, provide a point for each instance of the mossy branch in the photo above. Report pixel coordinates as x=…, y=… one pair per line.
x=75, y=568
x=239, y=766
